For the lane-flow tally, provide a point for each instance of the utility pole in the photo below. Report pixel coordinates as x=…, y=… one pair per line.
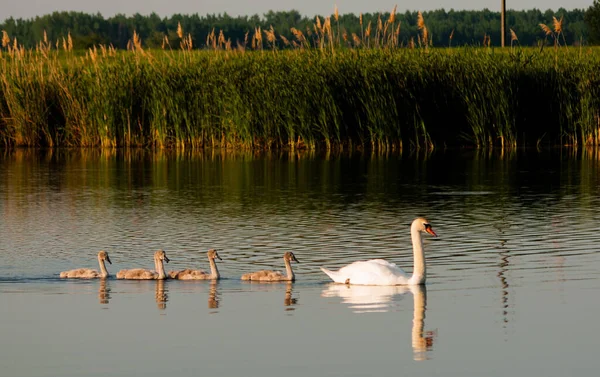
x=503, y=22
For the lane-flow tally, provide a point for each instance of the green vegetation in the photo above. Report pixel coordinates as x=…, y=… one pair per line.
x=385, y=98
x=325, y=89
x=467, y=27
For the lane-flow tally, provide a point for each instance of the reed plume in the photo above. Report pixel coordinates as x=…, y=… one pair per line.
x=557, y=24
x=179, y=30
x=421, y=26
x=547, y=31
x=513, y=37
x=271, y=38
x=5, y=39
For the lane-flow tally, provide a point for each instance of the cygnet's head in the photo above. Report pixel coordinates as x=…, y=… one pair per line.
x=289, y=256
x=212, y=254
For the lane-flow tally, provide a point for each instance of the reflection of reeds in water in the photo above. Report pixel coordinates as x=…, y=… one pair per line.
x=376, y=299
x=161, y=295
x=103, y=292
x=213, y=295
x=289, y=301
x=503, y=268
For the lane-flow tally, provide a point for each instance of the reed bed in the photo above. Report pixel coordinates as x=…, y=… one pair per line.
x=316, y=95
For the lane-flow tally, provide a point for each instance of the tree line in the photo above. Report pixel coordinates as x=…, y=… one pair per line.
x=446, y=28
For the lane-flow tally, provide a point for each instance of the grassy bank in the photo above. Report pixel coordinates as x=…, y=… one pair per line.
x=301, y=98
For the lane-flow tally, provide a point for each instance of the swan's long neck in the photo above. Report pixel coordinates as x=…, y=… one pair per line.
x=288, y=269
x=214, y=271
x=419, y=271
x=160, y=268
x=103, y=270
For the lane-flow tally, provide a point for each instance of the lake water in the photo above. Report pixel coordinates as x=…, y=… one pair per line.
x=513, y=281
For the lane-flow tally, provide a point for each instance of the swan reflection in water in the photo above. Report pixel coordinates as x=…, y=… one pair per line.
x=289, y=301
x=213, y=295
x=378, y=299
x=161, y=295
x=103, y=292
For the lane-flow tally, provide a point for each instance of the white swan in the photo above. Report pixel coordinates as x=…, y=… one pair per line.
x=381, y=272
x=143, y=274
x=189, y=274
x=88, y=273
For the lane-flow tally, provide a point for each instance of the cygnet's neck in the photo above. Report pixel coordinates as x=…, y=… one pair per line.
x=419, y=270
x=103, y=270
x=288, y=269
x=214, y=271
x=160, y=269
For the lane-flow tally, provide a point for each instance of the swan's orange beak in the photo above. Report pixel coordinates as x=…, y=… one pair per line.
x=429, y=230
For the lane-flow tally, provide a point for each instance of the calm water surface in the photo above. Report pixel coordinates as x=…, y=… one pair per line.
x=513, y=278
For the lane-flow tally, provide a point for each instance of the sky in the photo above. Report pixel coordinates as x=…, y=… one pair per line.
x=32, y=8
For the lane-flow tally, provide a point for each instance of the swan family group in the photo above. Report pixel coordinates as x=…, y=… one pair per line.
x=371, y=272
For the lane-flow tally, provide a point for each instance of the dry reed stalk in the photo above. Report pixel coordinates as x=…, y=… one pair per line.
x=513, y=37
x=356, y=40
x=137, y=42
x=221, y=41
x=69, y=42
x=557, y=24
x=209, y=39
x=179, y=30
x=5, y=39
x=286, y=42
x=421, y=26
x=420, y=21
x=546, y=29
x=270, y=34
x=360, y=20
x=299, y=37
x=257, y=39
x=189, y=42
x=93, y=54
x=336, y=14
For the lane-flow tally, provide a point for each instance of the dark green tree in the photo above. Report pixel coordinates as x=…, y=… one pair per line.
x=592, y=21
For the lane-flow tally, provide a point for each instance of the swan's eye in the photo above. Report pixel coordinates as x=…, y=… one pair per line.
x=427, y=226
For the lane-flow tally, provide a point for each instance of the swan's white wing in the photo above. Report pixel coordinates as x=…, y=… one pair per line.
x=371, y=272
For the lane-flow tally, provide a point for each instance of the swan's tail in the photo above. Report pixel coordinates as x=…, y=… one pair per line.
x=334, y=275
